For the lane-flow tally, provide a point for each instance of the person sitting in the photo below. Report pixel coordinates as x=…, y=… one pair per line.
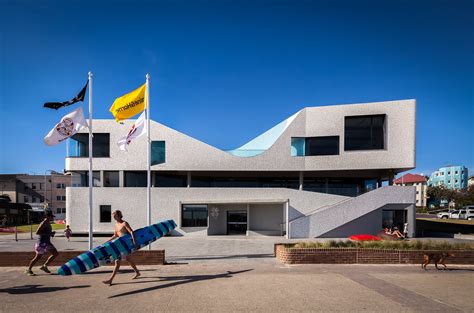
x=396, y=232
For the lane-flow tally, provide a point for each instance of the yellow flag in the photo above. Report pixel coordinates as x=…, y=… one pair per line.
x=129, y=105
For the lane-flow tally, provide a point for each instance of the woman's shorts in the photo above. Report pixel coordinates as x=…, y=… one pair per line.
x=42, y=248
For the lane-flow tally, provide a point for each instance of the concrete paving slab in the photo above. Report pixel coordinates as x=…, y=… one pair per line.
x=247, y=286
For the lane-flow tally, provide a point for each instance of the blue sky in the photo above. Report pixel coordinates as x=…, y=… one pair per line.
x=225, y=71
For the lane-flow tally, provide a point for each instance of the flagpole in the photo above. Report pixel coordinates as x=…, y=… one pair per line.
x=90, y=164
x=148, y=190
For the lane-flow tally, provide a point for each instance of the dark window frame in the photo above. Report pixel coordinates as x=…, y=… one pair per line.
x=106, y=215
x=321, y=138
x=107, y=180
x=350, y=139
x=96, y=143
x=195, y=221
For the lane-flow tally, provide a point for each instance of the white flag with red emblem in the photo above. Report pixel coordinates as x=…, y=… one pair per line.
x=69, y=125
x=138, y=129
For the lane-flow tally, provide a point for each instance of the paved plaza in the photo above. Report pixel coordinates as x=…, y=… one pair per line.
x=223, y=274
x=246, y=286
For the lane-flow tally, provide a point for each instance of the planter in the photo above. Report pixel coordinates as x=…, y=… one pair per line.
x=362, y=256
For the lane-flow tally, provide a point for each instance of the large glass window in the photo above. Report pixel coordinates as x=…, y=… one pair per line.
x=81, y=179
x=111, y=179
x=78, y=145
x=364, y=132
x=135, y=179
x=194, y=215
x=158, y=154
x=328, y=145
x=170, y=180
x=105, y=213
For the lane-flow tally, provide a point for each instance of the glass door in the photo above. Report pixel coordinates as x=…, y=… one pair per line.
x=236, y=222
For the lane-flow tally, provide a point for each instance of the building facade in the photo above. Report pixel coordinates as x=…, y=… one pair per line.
x=451, y=177
x=419, y=182
x=39, y=191
x=318, y=173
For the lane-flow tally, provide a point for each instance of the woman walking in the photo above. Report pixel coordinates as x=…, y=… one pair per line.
x=122, y=228
x=43, y=245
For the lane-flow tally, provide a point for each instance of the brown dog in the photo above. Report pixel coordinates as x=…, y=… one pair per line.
x=437, y=258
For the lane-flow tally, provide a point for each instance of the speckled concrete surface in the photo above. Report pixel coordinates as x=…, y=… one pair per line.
x=250, y=286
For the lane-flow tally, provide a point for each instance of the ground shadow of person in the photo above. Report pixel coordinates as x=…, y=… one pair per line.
x=180, y=280
x=28, y=289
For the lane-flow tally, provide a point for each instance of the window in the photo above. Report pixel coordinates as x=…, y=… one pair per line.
x=312, y=146
x=298, y=146
x=81, y=179
x=135, y=179
x=40, y=186
x=194, y=215
x=328, y=145
x=364, y=132
x=60, y=186
x=60, y=198
x=33, y=186
x=170, y=180
x=79, y=145
x=449, y=173
x=456, y=172
x=158, y=155
x=61, y=210
x=25, y=199
x=105, y=213
x=111, y=179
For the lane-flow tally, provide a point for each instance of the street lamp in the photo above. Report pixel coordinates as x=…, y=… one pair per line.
x=46, y=205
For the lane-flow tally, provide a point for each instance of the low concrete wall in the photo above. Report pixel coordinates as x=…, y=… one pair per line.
x=362, y=256
x=22, y=258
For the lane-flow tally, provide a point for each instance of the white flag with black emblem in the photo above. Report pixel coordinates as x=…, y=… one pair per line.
x=67, y=127
x=138, y=129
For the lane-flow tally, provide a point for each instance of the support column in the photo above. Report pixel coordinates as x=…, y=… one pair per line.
x=102, y=179
x=121, y=179
x=391, y=175
x=286, y=208
x=248, y=219
x=411, y=220
x=301, y=180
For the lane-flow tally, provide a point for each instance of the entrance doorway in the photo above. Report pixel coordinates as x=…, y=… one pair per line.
x=236, y=222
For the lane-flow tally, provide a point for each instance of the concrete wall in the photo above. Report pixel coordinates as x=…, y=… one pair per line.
x=332, y=217
x=185, y=153
x=166, y=203
x=266, y=218
x=370, y=223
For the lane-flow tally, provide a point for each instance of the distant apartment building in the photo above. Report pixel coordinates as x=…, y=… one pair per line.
x=419, y=182
x=39, y=191
x=451, y=177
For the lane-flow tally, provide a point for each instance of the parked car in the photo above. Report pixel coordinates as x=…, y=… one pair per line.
x=445, y=214
x=455, y=214
x=467, y=212
x=470, y=216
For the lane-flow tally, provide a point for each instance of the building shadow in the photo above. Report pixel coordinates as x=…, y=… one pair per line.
x=30, y=289
x=178, y=280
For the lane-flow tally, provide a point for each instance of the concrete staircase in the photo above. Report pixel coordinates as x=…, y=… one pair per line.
x=351, y=215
